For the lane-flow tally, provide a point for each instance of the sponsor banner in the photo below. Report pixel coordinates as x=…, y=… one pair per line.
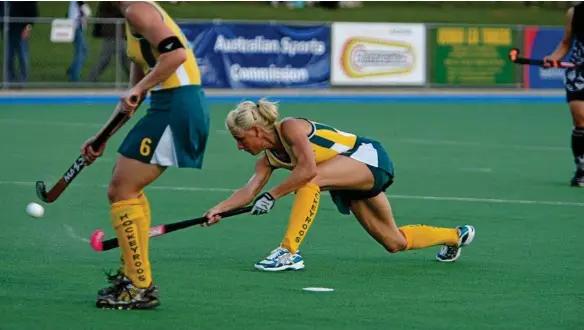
x=378, y=54
x=538, y=43
x=241, y=55
x=472, y=55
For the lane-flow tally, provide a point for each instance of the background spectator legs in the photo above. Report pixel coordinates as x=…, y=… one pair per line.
x=108, y=49
x=79, y=56
x=17, y=47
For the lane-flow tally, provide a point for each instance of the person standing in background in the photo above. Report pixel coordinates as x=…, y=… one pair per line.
x=573, y=42
x=78, y=12
x=22, y=15
x=107, y=31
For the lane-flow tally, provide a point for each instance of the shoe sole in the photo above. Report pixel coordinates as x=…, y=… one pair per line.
x=149, y=305
x=296, y=266
x=450, y=260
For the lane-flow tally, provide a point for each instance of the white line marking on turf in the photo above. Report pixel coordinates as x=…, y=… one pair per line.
x=47, y=123
x=71, y=233
x=68, y=123
x=477, y=169
x=480, y=144
x=411, y=197
x=487, y=200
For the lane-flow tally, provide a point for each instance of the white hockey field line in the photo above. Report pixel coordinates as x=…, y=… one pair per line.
x=71, y=233
x=406, y=197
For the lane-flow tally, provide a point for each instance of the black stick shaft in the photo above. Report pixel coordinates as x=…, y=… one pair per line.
x=192, y=222
x=76, y=168
x=168, y=228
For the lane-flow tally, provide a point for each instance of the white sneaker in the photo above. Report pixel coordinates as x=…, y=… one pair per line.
x=281, y=259
x=466, y=235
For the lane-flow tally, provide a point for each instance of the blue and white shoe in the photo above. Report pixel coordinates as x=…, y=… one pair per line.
x=281, y=259
x=466, y=235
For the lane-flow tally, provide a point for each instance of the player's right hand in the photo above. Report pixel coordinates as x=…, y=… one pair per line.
x=549, y=60
x=90, y=154
x=212, y=217
x=130, y=101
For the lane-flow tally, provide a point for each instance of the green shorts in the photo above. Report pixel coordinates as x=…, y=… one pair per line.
x=373, y=154
x=173, y=132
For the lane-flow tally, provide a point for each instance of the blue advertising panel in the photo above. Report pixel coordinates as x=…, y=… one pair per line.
x=540, y=42
x=250, y=55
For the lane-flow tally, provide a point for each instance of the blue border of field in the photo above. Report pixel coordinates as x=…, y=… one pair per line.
x=300, y=98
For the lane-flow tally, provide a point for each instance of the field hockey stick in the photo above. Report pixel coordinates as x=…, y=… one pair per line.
x=80, y=163
x=514, y=57
x=98, y=244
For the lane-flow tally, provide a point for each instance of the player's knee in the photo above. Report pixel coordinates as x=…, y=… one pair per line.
x=117, y=191
x=112, y=192
x=317, y=179
x=395, y=246
x=578, y=114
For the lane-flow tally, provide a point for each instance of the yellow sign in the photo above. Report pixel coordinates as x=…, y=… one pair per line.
x=472, y=55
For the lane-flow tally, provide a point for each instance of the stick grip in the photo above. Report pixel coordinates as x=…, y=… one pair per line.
x=107, y=132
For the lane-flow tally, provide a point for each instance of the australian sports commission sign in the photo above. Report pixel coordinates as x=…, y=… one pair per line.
x=261, y=55
x=378, y=54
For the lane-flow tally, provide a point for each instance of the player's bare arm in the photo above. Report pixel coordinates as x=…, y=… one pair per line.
x=145, y=20
x=243, y=196
x=565, y=44
x=305, y=169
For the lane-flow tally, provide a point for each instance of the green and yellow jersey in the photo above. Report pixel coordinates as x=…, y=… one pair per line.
x=326, y=141
x=145, y=55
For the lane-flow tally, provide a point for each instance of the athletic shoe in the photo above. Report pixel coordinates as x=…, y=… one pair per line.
x=281, y=259
x=466, y=235
x=116, y=281
x=130, y=297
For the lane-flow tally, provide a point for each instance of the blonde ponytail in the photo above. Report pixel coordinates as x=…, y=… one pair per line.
x=247, y=114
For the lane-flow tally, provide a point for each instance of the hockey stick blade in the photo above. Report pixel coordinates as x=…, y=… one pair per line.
x=41, y=191
x=80, y=163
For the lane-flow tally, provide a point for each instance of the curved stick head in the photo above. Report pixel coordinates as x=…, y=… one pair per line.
x=96, y=240
x=513, y=54
x=41, y=191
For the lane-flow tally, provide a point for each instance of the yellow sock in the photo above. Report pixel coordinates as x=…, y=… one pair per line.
x=144, y=227
x=146, y=208
x=126, y=215
x=421, y=236
x=301, y=217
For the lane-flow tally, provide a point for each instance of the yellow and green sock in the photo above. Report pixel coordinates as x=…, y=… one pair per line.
x=146, y=208
x=421, y=236
x=128, y=219
x=302, y=216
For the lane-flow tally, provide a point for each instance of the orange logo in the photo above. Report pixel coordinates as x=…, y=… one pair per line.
x=367, y=57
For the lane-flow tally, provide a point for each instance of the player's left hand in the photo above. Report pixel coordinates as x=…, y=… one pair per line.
x=130, y=100
x=263, y=204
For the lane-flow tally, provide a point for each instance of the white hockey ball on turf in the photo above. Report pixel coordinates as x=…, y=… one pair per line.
x=35, y=210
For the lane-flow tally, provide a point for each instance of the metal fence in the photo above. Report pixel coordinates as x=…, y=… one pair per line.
x=52, y=64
